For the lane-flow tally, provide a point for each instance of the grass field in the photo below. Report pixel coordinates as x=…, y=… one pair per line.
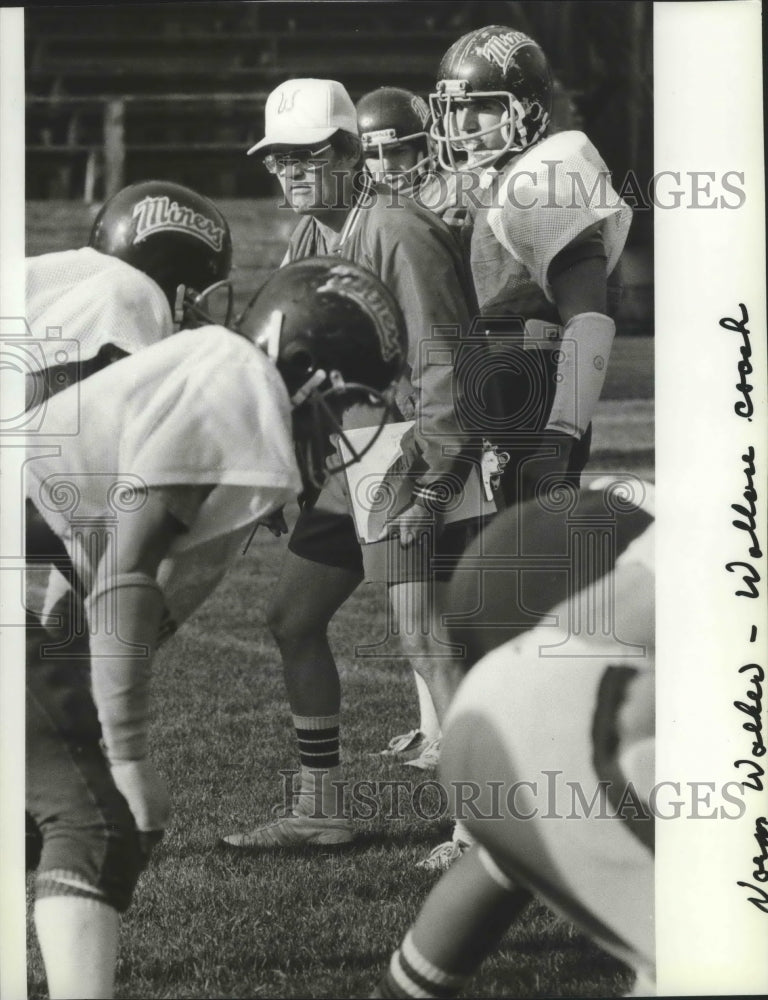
x=211, y=924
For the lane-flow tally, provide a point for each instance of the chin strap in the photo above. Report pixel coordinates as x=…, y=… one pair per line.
x=303, y=393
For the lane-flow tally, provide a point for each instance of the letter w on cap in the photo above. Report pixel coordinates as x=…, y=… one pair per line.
x=287, y=100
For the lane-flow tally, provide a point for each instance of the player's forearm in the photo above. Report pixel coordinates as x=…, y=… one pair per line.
x=125, y=607
x=579, y=284
x=123, y=620
x=437, y=430
x=584, y=354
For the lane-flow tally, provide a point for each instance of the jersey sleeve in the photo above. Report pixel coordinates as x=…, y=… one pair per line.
x=550, y=196
x=95, y=300
x=421, y=265
x=222, y=418
x=135, y=314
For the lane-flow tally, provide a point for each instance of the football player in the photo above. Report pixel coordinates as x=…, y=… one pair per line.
x=393, y=125
x=547, y=232
x=156, y=252
x=549, y=742
x=313, y=147
x=395, y=128
x=549, y=222
x=182, y=449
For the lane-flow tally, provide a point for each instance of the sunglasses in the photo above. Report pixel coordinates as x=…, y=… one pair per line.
x=309, y=159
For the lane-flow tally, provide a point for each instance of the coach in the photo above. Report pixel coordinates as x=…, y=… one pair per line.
x=312, y=145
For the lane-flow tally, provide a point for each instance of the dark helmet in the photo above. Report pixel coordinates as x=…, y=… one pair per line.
x=493, y=62
x=175, y=235
x=338, y=338
x=390, y=117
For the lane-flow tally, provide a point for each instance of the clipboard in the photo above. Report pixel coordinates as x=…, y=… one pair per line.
x=380, y=485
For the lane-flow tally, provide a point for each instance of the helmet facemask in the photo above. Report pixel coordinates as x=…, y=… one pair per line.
x=193, y=309
x=317, y=425
x=379, y=141
x=452, y=94
x=319, y=399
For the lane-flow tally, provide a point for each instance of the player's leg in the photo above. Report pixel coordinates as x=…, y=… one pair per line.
x=413, y=606
x=308, y=593
x=461, y=922
x=90, y=857
x=78, y=939
x=417, y=606
x=417, y=593
x=410, y=746
x=307, y=596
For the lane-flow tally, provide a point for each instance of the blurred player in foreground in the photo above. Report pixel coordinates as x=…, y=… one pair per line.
x=547, y=232
x=563, y=687
x=181, y=449
x=313, y=147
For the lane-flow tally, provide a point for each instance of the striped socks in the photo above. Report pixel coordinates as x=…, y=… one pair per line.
x=320, y=794
x=410, y=974
x=318, y=738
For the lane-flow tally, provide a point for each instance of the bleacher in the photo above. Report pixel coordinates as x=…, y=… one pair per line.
x=119, y=93
x=127, y=91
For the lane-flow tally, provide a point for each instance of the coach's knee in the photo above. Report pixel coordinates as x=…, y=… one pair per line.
x=294, y=622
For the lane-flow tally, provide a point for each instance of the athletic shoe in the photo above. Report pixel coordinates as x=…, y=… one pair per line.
x=404, y=747
x=429, y=757
x=442, y=857
x=294, y=831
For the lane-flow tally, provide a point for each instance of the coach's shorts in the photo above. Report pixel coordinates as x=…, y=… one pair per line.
x=330, y=539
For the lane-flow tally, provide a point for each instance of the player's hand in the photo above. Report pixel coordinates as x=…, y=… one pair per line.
x=408, y=525
x=549, y=465
x=146, y=793
x=275, y=522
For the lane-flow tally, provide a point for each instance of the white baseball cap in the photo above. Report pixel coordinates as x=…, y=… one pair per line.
x=304, y=112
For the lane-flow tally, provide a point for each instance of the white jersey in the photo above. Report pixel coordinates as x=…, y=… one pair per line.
x=536, y=205
x=93, y=299
x=202, y=407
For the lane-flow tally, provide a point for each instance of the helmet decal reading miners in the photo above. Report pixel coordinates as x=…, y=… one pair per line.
x=499, y=64
x=338, y=338
x=158, y=215
x=175, y=235
x=500, y=48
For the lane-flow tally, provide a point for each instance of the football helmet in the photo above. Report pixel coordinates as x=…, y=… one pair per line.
x=391, y=117
x=177, y=237
x=338, y=338
x=491, y=63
